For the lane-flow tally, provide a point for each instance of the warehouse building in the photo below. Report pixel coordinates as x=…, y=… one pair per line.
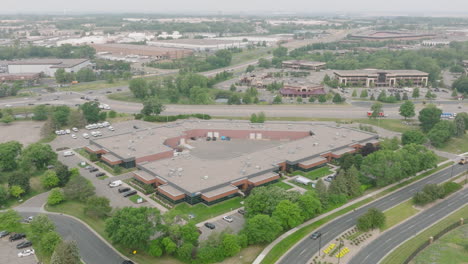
x=391, y=35
x=382, y=78
x=155, y=53
x=304, y=65
x=198, y=44
x=210, y=161
x=46, y=66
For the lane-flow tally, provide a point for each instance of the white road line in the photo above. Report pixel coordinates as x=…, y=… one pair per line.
x=302, y=252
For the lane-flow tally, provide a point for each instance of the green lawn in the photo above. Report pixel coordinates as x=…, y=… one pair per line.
x=389, y=124
x=203, y=212
x=124, y=96
x=282, y=185
x=134, y=198
x=248, y=55
x=314, y=174
x=97, y=85
x=456, y=145
x=399, y=214
x=400, y=254
x=36, y=188
x=111, y=170
x=307, y=187
x=447, y=249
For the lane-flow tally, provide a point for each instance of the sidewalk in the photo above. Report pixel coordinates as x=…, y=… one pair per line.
x=265, y=251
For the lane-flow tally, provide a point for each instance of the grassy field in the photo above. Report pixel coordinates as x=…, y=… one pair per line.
x=134, y=198
x=282, y=185
x=400, y=254
x=399, y=214
x=97, y=85
x=203, y=212
x=314, y=174
x=124, y=96
x=247, y=55
x=456, y=145
x=449, y=249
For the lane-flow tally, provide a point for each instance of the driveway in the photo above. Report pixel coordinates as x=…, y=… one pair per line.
x=221, y=225
x=9, y=253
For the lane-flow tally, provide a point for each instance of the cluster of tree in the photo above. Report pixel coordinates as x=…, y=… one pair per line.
x=461, y=85
x=333, y=83
x=260, y=118
x=219, y=27
x=393, y=98
x=171, y=118
x=65, y=51
x=387, y=166
x=249, y=97
x=432, y=192
x=372, y=219
x=221, y=58
x=89, y=75
x=10, y=90
x=43, y=235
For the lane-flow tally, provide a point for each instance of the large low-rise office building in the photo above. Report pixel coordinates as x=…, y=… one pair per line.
x=209, y=161
x=304, y=65
x=382, y=78
x=293, y=91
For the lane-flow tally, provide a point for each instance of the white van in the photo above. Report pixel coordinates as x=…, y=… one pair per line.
x=115, y=183
x=68, y=153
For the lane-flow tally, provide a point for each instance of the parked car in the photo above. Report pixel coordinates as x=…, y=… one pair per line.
x=315, y=235
x=4, y=233
x=241, y=211
x=67, y=131
x=129, y=193
x=25, y=253
x=135, y=127
x=16, y=236
x=124, y=189
x=24, y=244
x=74, y=136
x=100, y=174
x=111, y=128
x=210, y=225
x=93, y=169
x=127, y=262
x=75, y=129
x=68, y=153
x=228, y=219
x=115, y=183
x=85, y=135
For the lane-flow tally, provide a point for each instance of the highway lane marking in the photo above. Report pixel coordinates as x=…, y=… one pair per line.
x=302, y=252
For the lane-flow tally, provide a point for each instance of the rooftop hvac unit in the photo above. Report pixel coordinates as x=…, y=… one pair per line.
x=315, y=143
x=180, y=169
x=258, y=167
x=205, y=177
x=243, y=172
x=248, y=164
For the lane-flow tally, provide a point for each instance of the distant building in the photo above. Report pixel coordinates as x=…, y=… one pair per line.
x=302, y=91
x=435, y=42
x=174, y=35
x=304, y=65
x=382, y=78
x=30, y=78
x=156, y=53
x=390, y=35
x=46, y=66
x=198, y=44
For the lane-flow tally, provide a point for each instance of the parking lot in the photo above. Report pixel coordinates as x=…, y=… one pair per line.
x=25, y=132
x=9, y=253
x=221, y=225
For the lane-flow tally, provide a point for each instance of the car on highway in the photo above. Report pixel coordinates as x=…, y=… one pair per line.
x=4, y=233
x=16, y=236
x=210, y=225
x=129, y=193
x=123, y=189
x=93, y=169
x=24, y=244
x=115, y=183
x=100, y=174
x=26, y=252
x=315, y=235
x=228, y=219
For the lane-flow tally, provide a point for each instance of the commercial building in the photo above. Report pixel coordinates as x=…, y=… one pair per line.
x=155, y=53
x=198, y=44
x=302, y=91
x=209, y=161
x=46, y=66
x=382, y=78
x=29, y=78
x=304, y=65
x=391, y=35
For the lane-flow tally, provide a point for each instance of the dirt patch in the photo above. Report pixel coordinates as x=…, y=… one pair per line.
x=25, y=132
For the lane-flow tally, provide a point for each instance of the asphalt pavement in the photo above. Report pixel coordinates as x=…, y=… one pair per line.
x=377, y=249
x=303, y=251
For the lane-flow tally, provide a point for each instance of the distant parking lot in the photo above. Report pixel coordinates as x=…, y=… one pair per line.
x=222, y=225
x=9, y=253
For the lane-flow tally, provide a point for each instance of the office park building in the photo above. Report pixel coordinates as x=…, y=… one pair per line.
x=382, y=78
x=210, y=161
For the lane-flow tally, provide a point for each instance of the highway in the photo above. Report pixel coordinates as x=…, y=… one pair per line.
x=303, y=251
x=382, y=245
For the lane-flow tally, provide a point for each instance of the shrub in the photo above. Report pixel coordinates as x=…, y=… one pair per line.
x=55, y=197
x=450, y=187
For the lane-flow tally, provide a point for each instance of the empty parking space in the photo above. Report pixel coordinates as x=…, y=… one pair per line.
x=9, y=253
x=221, y=225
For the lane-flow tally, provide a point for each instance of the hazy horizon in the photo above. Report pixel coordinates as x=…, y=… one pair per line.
x=264, y=7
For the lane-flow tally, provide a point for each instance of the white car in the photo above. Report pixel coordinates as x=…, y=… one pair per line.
x=75, y=129
x=100, y=125
x=68, y=153
x=74, y=136
x=106, y=124
x=85, y=135
x=111, y=128
x=94, y=134
x=68, y=131
x=63, y=132
x=99, y=133
x=26, y=252
x=115, y=183
x=228, y=219
x=57, y=132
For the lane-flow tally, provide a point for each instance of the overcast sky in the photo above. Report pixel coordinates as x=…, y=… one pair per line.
x=402, y=7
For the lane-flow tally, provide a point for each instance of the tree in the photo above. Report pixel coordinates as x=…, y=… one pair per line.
x=10, y=220
x=429, y=116
x=415, y=93
x=38, y=155
x=60, y=115
x=390, y=143
x=246, y=99
x=441, y=133
x=48, y=242
x=280, y=52
x=277, y=100
x=169, y=245
x=132, y=227
x=413, y=136
x=253, y=118
x=60, y=76
x=372, y=97
x=7, y=119
x=250, y=68
x=184, y=252
x=155, y=248
x=398, y=96
x=40, y=225
x=78, y=188
x=339, y=185
x=311, y=99
x=85, y=75
x=40, y=113
x=322, y=98
x=16, y=191
x=77, y=119
x=3, y=196
x=353, y=184
x=372, y=219
x=289, y=214
x=430, y=95
x=234, y=99
x=364, y=93
x=309, y=204
x=460, y=125
x=91, y=111
x=50, y=179
x=405, y=97
x=461, y=84
x=407, y=109
x=376, y=109
x=262, y=229
x=233, y=88
x=112, y=114
x=263, y=200
x=261, y=117
x=55, y=197
x=97, y=207
x=63, y=174
x=152, y=106
x=230, y=245
x=463, y=115
x=139, y=88
x=66, y=253
x=337, y=98
x=354, y=94
x=9, y=152
x=20, y=178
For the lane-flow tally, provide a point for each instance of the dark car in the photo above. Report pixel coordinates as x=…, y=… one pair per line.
x=109, y=92
x=100, y=174
x=24, y=244
x=4, y=233
x=214, y=138
x=210, y=225
x=135, y=127
x=315, y=235
x=241, y=211
x=127, y=262
x=124, y=189
x=208, y=138
x=30, y=104
x=16, y=236
x=129, y=193
x=93, y=169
